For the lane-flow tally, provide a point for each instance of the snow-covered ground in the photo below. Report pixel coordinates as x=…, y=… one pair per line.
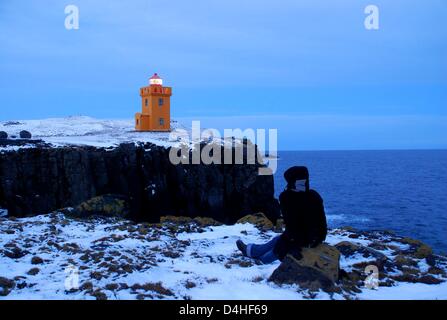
x=49, y=256
x=102, y=133
x=82, y=130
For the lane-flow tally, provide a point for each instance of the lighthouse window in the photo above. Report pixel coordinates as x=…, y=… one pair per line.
x=162, y=121
x=160, y=102
x=145, y=102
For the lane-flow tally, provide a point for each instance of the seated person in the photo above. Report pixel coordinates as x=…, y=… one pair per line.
x=304, y=218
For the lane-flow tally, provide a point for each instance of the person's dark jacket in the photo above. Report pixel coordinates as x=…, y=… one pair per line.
x=305, y=221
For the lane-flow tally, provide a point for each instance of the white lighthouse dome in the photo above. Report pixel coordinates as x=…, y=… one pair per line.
x=155, y=80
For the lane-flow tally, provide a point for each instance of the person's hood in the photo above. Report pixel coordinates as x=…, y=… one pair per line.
x=297, y=173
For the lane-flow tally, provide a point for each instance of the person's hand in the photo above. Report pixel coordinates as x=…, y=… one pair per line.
x=280, y=226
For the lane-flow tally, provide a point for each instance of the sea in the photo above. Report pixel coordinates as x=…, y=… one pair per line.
x=404, y=191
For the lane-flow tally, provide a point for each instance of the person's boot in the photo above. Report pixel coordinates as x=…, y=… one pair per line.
x=242, y=247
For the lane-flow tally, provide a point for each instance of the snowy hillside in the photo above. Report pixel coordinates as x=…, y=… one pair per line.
x=81, y=130
x=118, y=259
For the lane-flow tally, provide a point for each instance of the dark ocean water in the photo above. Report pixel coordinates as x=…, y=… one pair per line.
x=403, y=191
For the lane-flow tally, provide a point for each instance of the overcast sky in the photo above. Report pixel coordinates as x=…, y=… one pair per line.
x=308, y=68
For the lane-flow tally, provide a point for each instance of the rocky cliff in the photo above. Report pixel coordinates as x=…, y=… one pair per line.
x=42, y=178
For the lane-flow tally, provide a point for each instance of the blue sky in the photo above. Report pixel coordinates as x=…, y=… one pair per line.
x=308, y=68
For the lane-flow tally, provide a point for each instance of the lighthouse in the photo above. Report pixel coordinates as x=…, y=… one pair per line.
x=155, y=112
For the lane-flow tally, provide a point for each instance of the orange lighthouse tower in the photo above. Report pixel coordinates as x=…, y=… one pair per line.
x=156, y=107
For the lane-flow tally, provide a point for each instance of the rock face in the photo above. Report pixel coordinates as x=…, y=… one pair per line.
x=315, y=268
x=44, y=179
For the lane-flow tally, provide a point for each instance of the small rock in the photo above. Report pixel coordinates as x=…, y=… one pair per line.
x=36, y=260
x=70, y=247
x=190, y=285
x=96, y=275
x=123, y=286
x=3, y=135
x=127, y=268
x=25, y=134
x=21, y=285
x=99, y=295
x=86, y=286
x=5, y=286
x=111, y=286
x=402, y=260
x=33, y=271
x=171, y=254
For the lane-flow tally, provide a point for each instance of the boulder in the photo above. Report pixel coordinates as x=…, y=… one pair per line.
x=259, y=220
x=25, y=134
x=106, y=205
x=3, y=135
x=313, y=268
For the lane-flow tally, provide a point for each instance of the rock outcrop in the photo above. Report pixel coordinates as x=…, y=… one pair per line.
x=44, y=179
x=106, y=205
x=259, y=219
x=374, y=257
x=312, y=268
x=264, y=223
